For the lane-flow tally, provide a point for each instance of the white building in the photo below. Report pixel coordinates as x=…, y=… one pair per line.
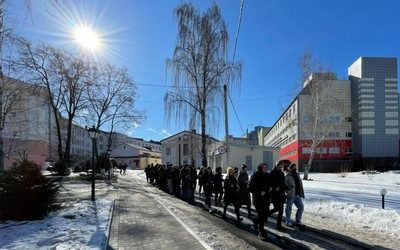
x=183, y=148
x=234, y=155
x=134, y=156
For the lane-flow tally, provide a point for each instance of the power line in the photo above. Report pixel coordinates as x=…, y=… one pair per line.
x=238, y=30
x=237, y=117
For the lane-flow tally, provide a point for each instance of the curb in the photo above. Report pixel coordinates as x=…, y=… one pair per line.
x=106, y=246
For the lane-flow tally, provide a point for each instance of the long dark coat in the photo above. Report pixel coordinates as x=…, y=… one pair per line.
x=277, y=180
x=259, y=182
x=231, y=190
x=244, y=194
x=207, y=182
x=218, y=180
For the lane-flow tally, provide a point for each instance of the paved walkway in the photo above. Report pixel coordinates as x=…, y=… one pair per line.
x=141, y=222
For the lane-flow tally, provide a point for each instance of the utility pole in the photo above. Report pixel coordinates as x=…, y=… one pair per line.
x=226, y=124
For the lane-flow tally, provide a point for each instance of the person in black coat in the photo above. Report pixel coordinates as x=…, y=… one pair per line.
x=218, y=186
x=199, y=176
x=260, y=189
x=278, y=196
x=193, y=181
x=185, y=177
x=244, y=194
x=207, y=179
x=176, y=181
x=231, y=193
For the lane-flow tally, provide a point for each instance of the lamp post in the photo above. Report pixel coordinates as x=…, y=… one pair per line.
x=93, y=133
x=109, y=165
x=383, y=193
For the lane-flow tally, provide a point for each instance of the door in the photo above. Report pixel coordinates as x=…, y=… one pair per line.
x=249, y=162
x=267, y=158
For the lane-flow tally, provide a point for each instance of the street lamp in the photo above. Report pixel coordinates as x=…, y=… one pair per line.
x=383, y=193
x=109, y=165
x=93, y=133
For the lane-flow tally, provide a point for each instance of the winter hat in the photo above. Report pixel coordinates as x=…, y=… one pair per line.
x=229, y=171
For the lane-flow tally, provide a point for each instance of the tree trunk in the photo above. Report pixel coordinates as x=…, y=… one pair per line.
x=203, y=140
x=309, y=164
x=1, y=87
x=68, y=145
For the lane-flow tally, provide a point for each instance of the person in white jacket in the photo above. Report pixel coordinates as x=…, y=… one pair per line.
x=295, y=193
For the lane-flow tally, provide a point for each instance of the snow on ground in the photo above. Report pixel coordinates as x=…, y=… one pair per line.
x=349, y=205
x=79, y=224
x=213, y=235
x=83, y=225
x=352, y=205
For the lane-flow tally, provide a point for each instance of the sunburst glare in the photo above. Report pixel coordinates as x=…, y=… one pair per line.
x=87, y=37
x=81, y=26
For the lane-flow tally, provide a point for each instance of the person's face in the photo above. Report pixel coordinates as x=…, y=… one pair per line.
x=264, y=168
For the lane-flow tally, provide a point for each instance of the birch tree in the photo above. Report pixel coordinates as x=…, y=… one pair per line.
x=323, y=112
x=199, y=69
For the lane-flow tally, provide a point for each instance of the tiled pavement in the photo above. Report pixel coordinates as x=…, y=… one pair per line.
x=141, y=222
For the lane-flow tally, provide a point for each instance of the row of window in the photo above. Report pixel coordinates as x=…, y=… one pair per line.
x=321, y=150
x=290, y=153
x=185, y=150
x=146, y=145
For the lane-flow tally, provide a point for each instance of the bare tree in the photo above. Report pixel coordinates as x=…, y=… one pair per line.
x=65, y=78
x=323, y=111
x=111, y=101
x=199, y=69
x=4, y=31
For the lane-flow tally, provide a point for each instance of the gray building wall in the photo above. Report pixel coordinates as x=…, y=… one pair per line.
x=375, y=107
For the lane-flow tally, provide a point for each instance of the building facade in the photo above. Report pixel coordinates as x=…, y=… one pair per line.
x=375, y=101
x=222, y=154
x=359, y=128
x=183, y=148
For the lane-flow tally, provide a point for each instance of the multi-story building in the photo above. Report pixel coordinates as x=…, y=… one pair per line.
x=300, y=130
x=27, y=122
x=119, y=138
x=375, y=102
x=360, y=127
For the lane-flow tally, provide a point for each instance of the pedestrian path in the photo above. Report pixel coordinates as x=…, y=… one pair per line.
x=141, y=222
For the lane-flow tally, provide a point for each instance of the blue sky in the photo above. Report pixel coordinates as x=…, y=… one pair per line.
x=141, y=35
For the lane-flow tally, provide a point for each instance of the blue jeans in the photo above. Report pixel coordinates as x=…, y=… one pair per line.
x=297, y=201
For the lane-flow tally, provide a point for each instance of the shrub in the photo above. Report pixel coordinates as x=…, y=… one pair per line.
x=25, y=194
x=60, y=168
x=77, y=169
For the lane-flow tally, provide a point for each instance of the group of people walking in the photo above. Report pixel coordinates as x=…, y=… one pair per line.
x=277, y=188
x=237, y=189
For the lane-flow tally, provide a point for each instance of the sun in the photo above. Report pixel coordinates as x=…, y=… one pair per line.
x=87, y=37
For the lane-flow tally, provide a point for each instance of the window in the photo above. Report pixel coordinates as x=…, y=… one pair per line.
x=168, y=151
x=185, y=149
x=349, y=150
x=334, y=150
x=349, y=119
x=348, y=134
x=392, y=131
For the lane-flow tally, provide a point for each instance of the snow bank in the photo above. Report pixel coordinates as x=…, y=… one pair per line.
x=82, y=225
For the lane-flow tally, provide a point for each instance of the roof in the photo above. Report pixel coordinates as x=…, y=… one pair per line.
x=190, y=132
x=136, y=146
